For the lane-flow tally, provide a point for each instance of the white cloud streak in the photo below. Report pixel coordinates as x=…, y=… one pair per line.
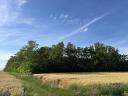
x=84, y=28
x=65, y=18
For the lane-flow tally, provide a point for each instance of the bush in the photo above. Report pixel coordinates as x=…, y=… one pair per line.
x=24, y=68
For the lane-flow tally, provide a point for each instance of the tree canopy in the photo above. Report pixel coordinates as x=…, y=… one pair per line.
x=69, y=58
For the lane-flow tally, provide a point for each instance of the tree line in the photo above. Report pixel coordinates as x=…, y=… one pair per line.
x=69, y=58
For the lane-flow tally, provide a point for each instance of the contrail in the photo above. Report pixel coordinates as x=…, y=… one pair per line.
x=84, y=28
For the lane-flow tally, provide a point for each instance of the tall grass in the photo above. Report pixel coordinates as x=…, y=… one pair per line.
x=35, y=87
x=67, y=79
x=10, y=86
x=5, y=93
x=101, y=90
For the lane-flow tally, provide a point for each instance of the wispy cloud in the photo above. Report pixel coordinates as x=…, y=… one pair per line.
x=10, y=12
x=120, y=43
x=4, y=56
x=65, y=18
x=10, y=36
x=83, y=28
x=123, y=50
x=10, y=17
x=13, y=22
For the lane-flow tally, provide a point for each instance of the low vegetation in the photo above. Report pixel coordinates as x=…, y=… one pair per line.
x=35, y=87
x=32, y=86
x=101, y=90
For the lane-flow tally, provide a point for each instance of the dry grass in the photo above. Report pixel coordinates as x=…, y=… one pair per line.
x=67, y=79
x=9, y=85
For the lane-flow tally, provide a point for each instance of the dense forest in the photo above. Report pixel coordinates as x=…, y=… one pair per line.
x=61, y=58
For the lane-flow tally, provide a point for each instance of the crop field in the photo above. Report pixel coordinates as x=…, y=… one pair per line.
x=9, y=85
x=67, y=79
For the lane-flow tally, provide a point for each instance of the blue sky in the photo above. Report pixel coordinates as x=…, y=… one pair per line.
x=82, y=22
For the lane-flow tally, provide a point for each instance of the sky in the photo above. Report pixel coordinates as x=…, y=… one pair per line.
x=82, y=22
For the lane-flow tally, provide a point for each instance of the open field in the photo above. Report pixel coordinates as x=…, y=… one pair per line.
x=9, y=85
x=67, y=79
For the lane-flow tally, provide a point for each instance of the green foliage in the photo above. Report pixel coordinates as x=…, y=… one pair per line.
x=101, y=90
x=23, y=60
x=70, y=50
x=57, y=51
x=58, y=58
x=24, y=68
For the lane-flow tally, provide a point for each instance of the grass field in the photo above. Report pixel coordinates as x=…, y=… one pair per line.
x=35, y=87
x=67, y=79
x=74, y=84
x=9, y=85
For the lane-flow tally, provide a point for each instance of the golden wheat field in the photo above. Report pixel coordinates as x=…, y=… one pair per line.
x=9, y=85
x=67, y=79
